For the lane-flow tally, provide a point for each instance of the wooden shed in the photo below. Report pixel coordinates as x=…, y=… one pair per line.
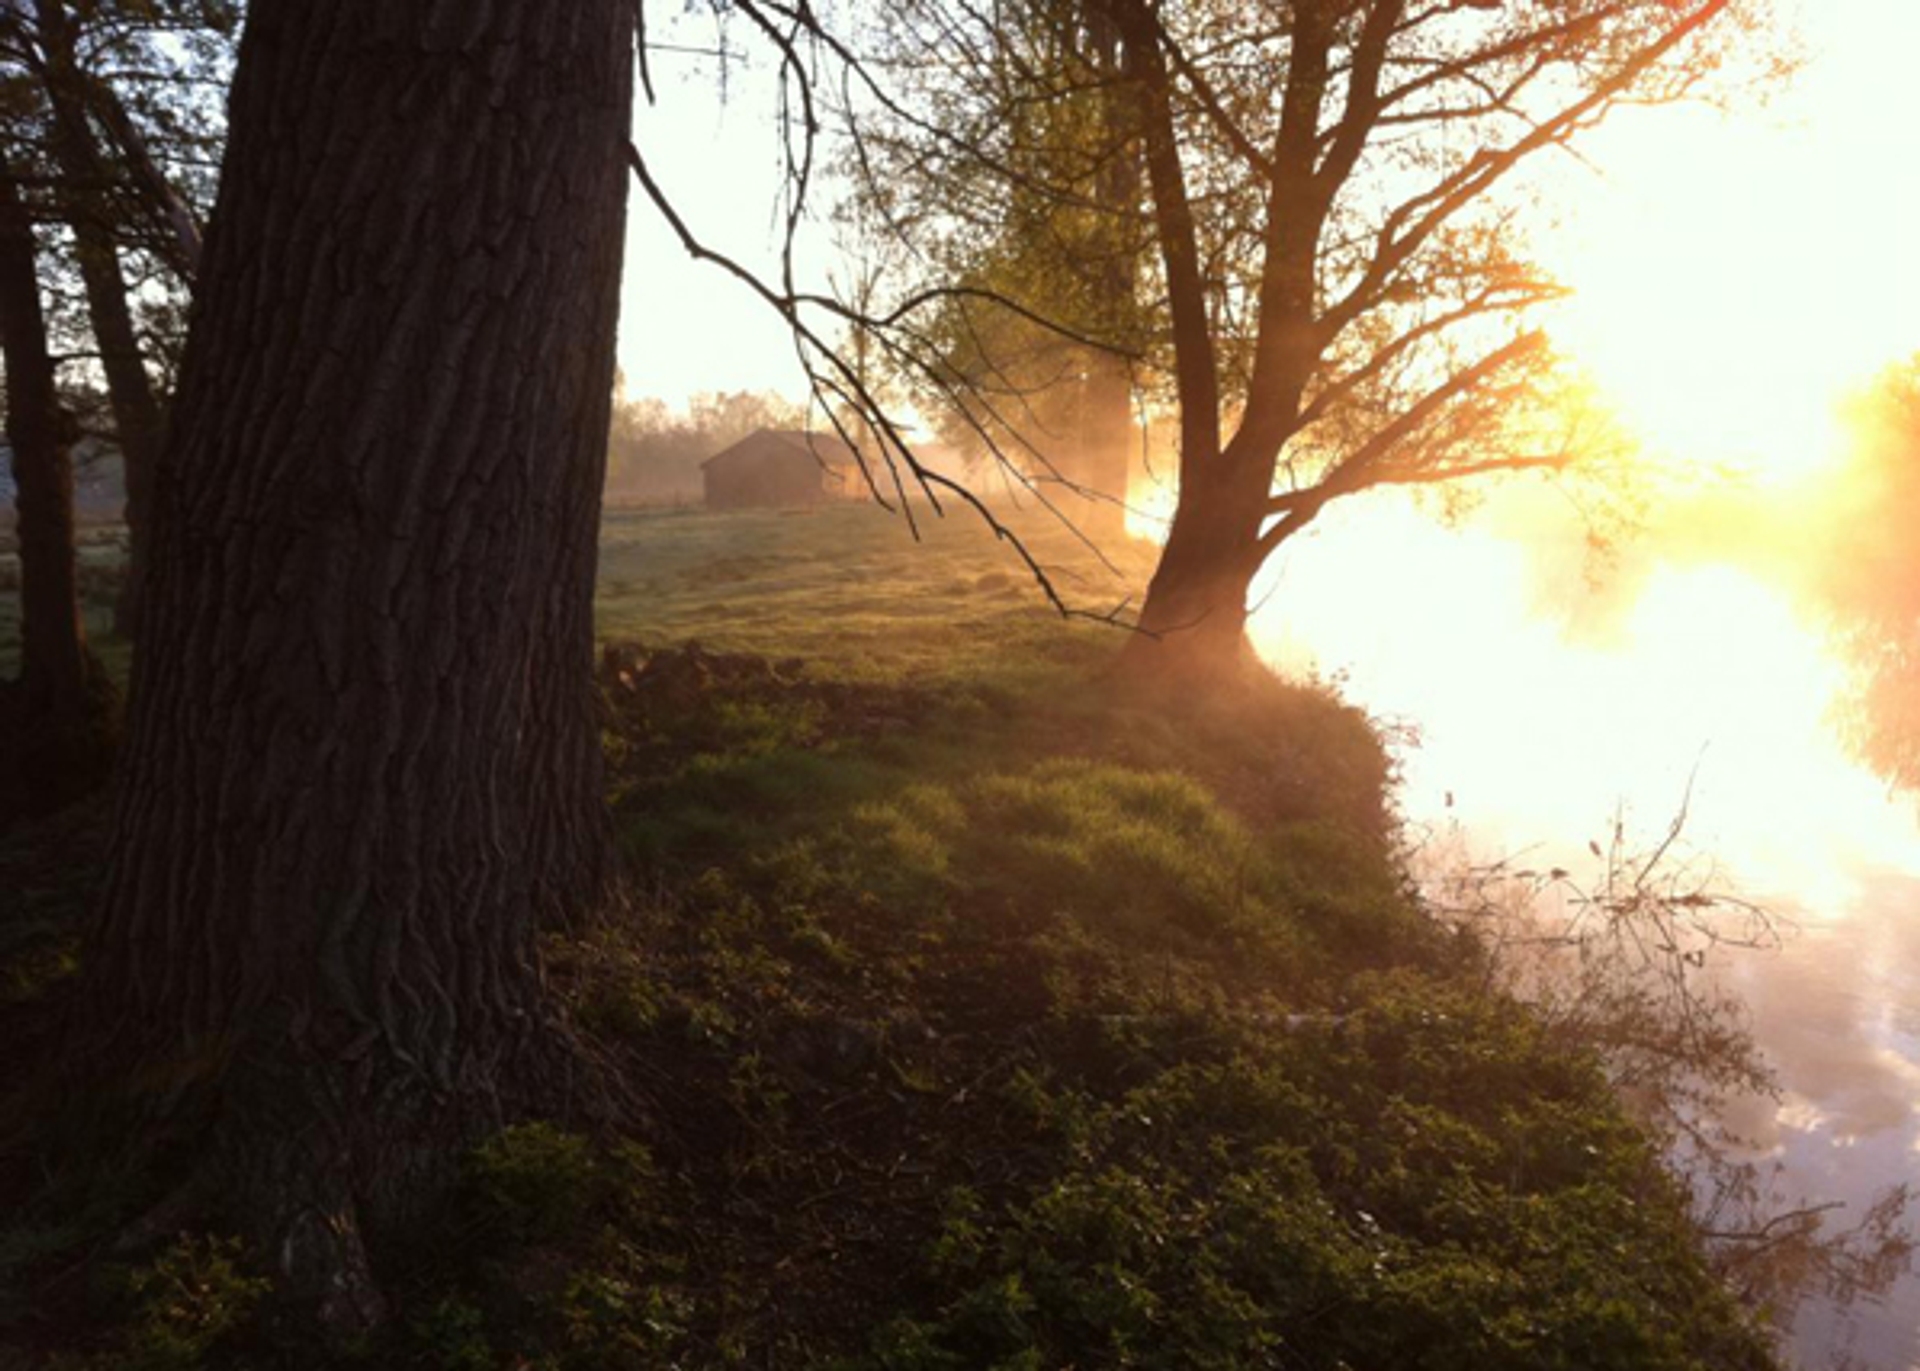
x=782, y=467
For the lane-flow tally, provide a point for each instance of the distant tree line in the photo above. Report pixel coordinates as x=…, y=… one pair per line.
x=1867, y=573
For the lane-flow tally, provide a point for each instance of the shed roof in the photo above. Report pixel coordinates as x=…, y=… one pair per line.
x=826, y=447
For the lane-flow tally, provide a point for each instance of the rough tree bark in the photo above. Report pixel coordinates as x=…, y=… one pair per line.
x=56, y=720
x=362, y=762
x=137, y=417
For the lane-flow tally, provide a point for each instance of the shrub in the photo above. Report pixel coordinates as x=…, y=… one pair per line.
x=533, y=1182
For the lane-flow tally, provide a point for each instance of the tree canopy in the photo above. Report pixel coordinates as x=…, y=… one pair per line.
x=1339, y=196
x=1867, y=581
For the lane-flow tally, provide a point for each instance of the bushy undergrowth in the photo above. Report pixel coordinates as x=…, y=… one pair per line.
x=999, y=1015
x=1421, y=1182
x=1062, y=1040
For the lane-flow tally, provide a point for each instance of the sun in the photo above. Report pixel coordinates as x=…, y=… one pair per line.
x=1706, y=317
x=1737, y=273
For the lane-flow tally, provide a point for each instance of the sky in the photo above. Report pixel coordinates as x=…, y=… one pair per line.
x=684, y=326
x=1738, y=271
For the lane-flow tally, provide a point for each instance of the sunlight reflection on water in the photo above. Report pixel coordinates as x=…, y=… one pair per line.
x=1540, y=717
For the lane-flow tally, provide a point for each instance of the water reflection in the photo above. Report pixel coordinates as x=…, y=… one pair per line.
x=1544, y=705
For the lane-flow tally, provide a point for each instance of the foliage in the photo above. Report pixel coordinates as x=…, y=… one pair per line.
x=573, y=1256
x=190, y=1297
x=1030, y=194
x=1427, y=1172
x=188, y=1304
x=1123, y=1003
x=451, y=1336
x=534, y=1181
x=1867, y=584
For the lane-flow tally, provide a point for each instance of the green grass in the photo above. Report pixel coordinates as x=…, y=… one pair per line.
x=849, y=589
x=975, y=1008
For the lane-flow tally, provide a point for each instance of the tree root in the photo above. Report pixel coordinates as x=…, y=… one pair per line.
x=321, y=1261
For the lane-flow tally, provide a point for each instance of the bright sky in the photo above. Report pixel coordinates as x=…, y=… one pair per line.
x=1738, y=272
x=685, y=326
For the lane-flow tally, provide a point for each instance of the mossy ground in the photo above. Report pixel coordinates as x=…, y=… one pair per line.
x=971, y=1008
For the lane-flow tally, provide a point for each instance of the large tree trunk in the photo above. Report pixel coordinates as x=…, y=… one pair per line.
x=136, y=413
x=363, y=763
x=1194, y=620
x=56, y=720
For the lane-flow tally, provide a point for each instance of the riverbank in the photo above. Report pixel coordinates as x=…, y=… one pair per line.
x=966, y=1010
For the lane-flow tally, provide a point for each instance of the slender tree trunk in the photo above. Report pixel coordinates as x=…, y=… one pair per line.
x=55, y=722
x=363, y=761
x=1108, y=436
x=1194, y=618
x=1195, y=615
x=137, y=418
x=1106, y=441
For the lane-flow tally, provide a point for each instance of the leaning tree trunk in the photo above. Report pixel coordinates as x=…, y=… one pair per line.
x=136, y=412
x=363, y=763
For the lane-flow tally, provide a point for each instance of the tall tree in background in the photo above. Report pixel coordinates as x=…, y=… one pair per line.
x=362, y=761
x=1033, y=193
x=56, y=720
x=1371, y=326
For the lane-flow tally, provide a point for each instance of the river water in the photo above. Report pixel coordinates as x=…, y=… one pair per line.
x=1547, y=706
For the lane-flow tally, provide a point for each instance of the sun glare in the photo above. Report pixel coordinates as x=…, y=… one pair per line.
x=1711, y=689
x=1736, y=273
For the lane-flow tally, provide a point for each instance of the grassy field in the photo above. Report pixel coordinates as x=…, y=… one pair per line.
x=849, y=588
x=969, y=1008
